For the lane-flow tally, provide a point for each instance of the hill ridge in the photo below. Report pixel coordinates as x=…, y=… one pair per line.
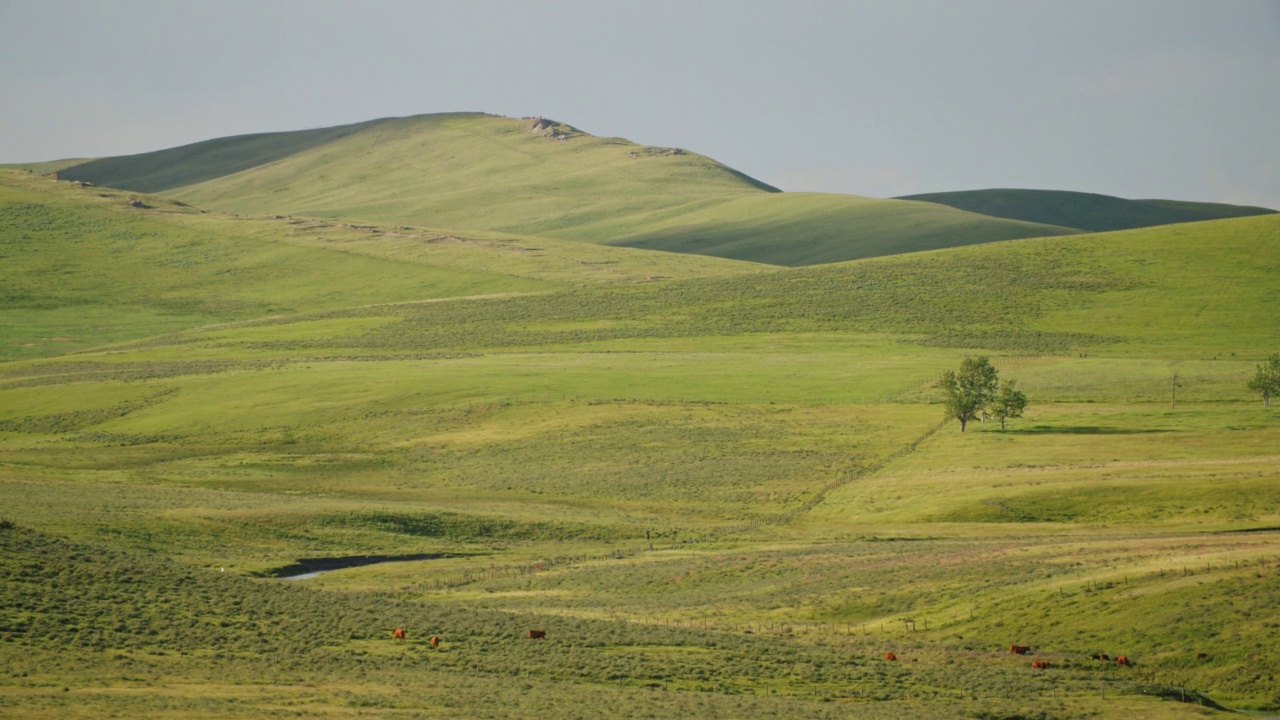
x=1093, y=212
x=539, y=177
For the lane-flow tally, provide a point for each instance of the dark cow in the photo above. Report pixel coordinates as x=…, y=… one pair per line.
x=537, y=634
x=1201, y=656
x=1019, y=649
x=398, y=634
x=1102, y=656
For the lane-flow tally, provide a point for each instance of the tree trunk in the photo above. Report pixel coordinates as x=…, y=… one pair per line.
x=962, y=423
x=1001, y=424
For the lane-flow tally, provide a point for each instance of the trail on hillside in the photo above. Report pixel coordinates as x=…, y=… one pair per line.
x=564, y=561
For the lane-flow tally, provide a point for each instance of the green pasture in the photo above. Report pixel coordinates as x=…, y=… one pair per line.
x=723, y=489
x=73, y=256
x=156, y=638
x=1195, y=292
x=1204, y=466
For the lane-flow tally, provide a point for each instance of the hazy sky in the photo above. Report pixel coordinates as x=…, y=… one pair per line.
x=1144, y=98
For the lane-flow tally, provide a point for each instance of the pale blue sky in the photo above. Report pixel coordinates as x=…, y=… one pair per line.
x=1138, y=98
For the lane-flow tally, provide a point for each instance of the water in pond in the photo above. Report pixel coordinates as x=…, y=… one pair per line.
x=313, y=567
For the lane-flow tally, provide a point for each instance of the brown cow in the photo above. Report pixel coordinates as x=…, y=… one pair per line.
x=1040, y=664
x=537, y=634
x=890, y=656
x=1123, y=660
x=1019, y=649
x=435, y=641
x=398, y=634
x=1201, y=656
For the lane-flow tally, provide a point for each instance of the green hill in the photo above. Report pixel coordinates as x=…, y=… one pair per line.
x=810, y=229
x=537, y=178
x=85, y=265
x=1087, y=211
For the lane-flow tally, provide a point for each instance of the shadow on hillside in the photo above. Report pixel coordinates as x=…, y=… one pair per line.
x=1082, y=430
x=313, y=565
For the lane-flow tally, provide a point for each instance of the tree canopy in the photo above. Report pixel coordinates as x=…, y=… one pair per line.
x=1267, y=380
x=970, y=390
x=1009, y=403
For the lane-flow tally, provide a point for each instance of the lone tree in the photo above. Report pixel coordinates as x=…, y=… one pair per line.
x=1009, y=403
x=1267, y=381
x=969, y=390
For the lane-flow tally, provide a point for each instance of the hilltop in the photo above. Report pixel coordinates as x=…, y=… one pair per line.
x=1086, y=211
x=534, y=177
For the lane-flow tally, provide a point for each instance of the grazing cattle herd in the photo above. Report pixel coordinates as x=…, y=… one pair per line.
x=400, y=635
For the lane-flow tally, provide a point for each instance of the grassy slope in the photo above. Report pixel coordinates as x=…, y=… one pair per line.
x=809, y=229
x=1087, y=211
x=470, y=172
x=189, y=164
x=50, y=166
x=84, y=267
x=515, y=429
x=1197, y=290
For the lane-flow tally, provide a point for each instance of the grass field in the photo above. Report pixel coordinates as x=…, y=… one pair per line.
x=723, y=489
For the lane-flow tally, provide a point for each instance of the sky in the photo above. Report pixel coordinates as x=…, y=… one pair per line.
x=1175, y=99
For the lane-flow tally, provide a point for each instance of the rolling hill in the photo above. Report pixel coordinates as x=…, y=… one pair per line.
x=1086, y=211
x=730, y=493
x=720, y=488
x=86, y=265
x=470, y=172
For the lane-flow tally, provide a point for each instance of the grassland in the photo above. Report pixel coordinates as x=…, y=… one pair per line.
x=468, y=173
x=1086, y=211
x=87, y=265
x=723, y=489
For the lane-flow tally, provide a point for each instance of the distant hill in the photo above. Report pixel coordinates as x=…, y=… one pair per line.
x=1086, y=211
x=535, y=177
x=162, y=170
x=797, y=229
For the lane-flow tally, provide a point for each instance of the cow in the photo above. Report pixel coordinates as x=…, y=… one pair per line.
x=1201, y=656
x=1040, y=664
x=398, y=634
x=1123, y=660
x=1019, y=649
x=435, y=641
x=537, y=634
x=1102, y=656
x=890, y=656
